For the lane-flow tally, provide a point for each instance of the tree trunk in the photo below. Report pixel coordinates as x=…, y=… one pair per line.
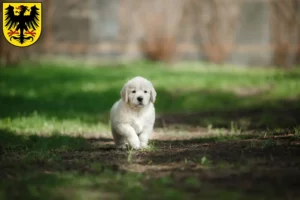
x=285, y=20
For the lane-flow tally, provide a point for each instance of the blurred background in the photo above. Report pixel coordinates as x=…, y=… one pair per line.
x=243, y=32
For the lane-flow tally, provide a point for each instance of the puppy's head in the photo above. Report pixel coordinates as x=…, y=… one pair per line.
x=138, y=92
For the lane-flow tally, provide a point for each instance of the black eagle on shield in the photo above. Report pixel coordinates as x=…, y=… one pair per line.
x=21, y=22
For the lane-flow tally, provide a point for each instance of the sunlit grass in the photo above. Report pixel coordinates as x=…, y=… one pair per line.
x=40, y=125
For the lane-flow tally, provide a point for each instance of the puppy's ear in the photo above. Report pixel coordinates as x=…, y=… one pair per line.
x=152, y=95
x=124, y=93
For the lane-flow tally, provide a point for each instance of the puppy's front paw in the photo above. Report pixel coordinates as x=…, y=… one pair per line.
x=134, y=142
x=144, y=145
x=135, y=146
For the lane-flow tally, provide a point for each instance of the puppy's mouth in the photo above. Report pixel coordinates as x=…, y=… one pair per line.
x=139, y=104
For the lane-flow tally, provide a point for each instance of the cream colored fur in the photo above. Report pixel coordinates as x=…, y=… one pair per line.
x=132, y=120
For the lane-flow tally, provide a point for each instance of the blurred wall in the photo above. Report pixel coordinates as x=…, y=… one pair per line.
x=246, y=32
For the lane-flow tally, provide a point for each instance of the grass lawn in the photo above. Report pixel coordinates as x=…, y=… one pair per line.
x=221, y=133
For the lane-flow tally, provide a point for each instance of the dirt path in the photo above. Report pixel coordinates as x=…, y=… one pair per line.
x=268, y=165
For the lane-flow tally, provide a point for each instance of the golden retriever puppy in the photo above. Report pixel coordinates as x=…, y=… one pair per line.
x=132, y=117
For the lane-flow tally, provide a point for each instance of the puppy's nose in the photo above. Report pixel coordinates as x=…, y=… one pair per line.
x=140, y=99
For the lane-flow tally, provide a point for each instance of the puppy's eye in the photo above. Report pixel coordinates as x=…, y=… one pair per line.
x=145, y=91
x=133, y=91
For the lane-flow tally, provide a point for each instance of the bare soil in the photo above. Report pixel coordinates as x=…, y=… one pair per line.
x=268, y=166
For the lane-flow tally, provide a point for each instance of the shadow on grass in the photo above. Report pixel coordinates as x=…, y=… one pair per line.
x=25, y=161
x=221, y=110
x=88, y=94
x=199, y=108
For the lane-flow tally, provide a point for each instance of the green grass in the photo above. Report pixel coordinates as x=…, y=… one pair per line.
x=48, y=113
x=50, y=99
